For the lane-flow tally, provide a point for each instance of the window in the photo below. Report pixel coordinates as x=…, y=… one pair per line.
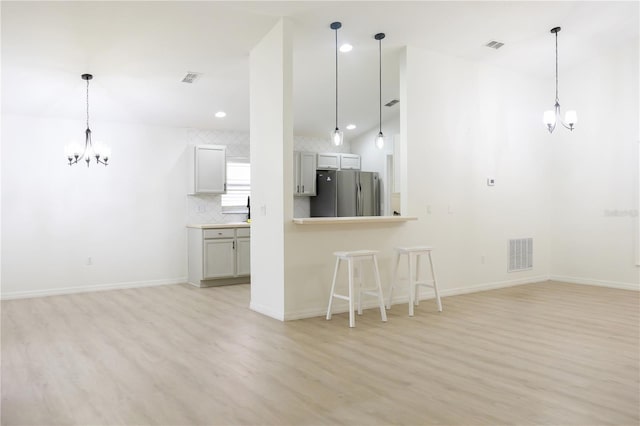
x=238, y=185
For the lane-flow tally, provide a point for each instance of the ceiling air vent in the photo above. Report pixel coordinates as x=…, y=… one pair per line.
x=494, y=44
x=391, y=103
x=190, y=77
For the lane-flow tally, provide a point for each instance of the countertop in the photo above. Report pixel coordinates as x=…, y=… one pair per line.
x=220, y=225
x=351, y=220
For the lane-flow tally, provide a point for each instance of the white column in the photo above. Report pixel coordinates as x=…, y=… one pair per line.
x=271, y=139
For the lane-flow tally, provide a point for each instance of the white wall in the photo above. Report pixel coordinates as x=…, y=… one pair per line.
x=271, y=130
x=595, y=172
x=463, y=122
x=128, y=217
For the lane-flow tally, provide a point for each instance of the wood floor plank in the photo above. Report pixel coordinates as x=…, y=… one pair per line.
x=548, y=353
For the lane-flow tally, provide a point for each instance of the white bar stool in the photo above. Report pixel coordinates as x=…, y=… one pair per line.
x=413, y=256
x=354, y=261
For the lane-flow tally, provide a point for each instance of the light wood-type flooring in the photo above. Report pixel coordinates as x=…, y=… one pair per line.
x=548, y=353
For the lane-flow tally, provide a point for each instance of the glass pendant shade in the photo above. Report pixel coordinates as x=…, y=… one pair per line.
x=380, y=141
x=337, y=137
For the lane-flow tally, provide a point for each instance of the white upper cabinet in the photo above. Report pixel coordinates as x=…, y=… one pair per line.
x=349, y=162
x=336, y=161
x=208, y=170
x=328, y=161
x=304, y=167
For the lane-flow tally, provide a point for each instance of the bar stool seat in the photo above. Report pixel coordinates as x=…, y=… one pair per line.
x=414, y=255
x=354, y=260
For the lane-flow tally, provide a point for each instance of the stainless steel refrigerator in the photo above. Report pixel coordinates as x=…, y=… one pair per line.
x=345, y=193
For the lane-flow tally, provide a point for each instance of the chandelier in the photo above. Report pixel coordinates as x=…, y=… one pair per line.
x=551, y=117
x=75, y=152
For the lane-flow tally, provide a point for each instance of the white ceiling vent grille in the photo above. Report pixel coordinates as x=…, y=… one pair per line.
x=494, y=44
x=190, y=77
x=520, y=254
x=391, y=103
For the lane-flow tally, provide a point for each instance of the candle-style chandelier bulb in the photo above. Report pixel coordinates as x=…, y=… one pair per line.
x=551, y=117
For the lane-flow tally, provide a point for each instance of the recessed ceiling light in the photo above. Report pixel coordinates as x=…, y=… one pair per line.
x=346, y=48
x=351, y=126
x=221, y=114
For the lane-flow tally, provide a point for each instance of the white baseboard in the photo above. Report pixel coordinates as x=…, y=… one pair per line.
x=264, y=310
x=372, y=303
x=600, y=283
x=89, y=288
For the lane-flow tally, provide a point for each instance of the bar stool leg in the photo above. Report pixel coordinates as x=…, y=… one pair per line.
x=359, y=270
x=412, y=284
x=352, y=320
x=333, y=288
x=435, y=284
x=394, y=279
x=383, y=311
x=417, y=280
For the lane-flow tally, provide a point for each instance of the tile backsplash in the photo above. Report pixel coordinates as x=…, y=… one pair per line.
x=206, y=208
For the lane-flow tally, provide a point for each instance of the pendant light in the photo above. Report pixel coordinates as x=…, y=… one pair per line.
x=75, y=152
x=380, y=138
x=551, y=117
x=337, y=136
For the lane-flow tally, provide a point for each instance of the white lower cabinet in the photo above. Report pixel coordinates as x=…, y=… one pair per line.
x=219, y=256
x=243, y=256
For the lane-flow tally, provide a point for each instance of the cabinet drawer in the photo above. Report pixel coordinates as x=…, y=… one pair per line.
x=219, y=233
x=243, y=232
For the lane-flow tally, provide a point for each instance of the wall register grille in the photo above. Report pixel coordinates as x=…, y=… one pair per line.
x=520, y=254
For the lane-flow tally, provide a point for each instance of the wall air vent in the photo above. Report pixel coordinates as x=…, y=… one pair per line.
x=520, y=254
x=494, y=44
x=190, y=77
x=391, y=103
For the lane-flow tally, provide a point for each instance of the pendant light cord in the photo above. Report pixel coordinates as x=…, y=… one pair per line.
x=336, y=79
x=380, y=83
x=557, y=67
x=87, y=104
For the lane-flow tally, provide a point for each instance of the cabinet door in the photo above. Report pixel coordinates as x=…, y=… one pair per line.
x=210, y=169
x=219, y=258
x=328, y=161
x=308, y=173
x=243, y=256
x=349, y=162
x=296, y=173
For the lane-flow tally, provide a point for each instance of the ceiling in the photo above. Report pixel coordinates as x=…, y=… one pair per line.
x=139, y=52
